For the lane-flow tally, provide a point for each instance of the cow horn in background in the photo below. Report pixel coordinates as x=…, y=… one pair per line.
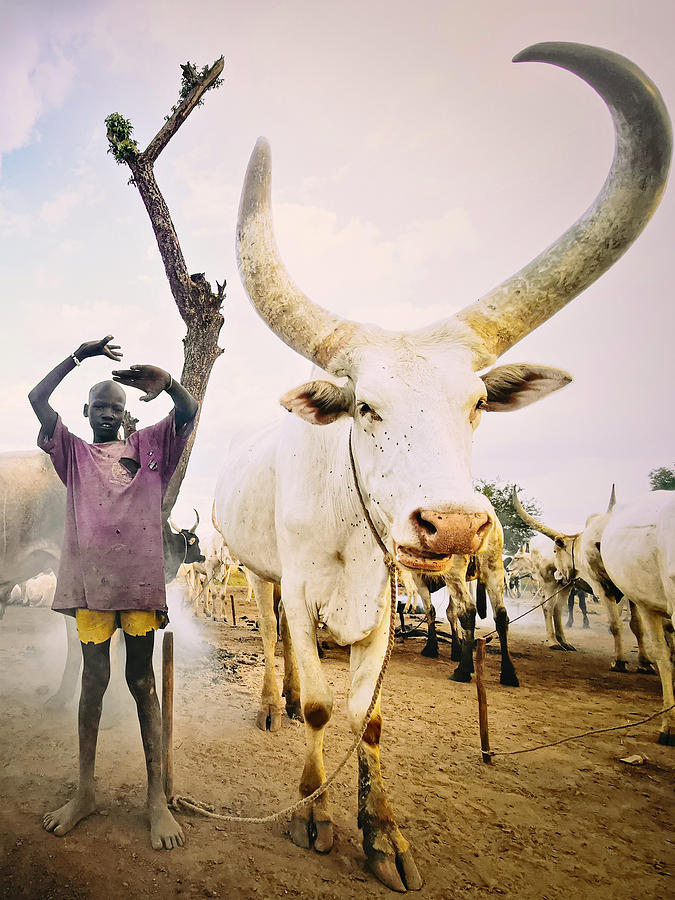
x=612, y=500
x=305, y=326
x=173, y=526
x=529, y=520
x=194, y=527
x=621, y=210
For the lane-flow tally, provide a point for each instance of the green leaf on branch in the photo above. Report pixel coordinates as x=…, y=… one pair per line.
x=118, y=131
x=190, y=79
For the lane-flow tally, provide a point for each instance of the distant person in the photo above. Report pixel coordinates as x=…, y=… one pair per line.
x=112, y=566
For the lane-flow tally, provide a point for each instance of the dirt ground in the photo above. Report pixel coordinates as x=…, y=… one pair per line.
x=571, y=820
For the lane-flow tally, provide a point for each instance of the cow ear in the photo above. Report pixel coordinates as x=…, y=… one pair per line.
x=317, y=402
x=512, y=387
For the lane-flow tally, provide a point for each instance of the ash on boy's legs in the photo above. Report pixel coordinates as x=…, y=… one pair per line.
x=165, y=832
x=95, y=676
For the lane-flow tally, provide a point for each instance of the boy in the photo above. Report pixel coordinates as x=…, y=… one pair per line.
x=112, y=568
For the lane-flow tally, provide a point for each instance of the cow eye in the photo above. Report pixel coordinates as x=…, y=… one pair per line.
x=368, y=411
x=191, y=541
x=482, y=404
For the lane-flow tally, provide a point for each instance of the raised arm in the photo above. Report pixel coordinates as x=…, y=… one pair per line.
x=153, y=381
x=39, y=396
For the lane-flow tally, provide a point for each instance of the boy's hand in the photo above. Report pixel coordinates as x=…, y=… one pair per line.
x=150, y=379
x=99, y=348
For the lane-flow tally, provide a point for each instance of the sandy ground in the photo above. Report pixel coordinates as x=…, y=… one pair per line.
x=566, y=821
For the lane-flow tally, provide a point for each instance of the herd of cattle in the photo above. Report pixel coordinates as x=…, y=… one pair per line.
x=374, y=466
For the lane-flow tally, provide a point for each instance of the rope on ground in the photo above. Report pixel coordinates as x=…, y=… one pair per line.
x=204, y=809
x=576, y=737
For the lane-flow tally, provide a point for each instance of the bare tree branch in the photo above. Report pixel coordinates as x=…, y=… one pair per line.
x=198, y=305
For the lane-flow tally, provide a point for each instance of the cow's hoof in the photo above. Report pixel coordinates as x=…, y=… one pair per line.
x=294, y=710
x=570, y=647
x=587, y=625
x=57, y=701
x=619, y=666
x=556, y=647
x=510, y=679
x=306, y=832
x=431, y=652
x=397, y=872
x=268, y=718
x=323, y=836
x=646, y=668
x=569, y=624
x=460, y=675
x=667, y=738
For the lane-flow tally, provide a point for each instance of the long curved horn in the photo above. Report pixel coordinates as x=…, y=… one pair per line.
x=612, y=500
x=173, y=525
x=214, y=520
x=194, y=527
x=529, y=520
x=621, y=210
x=305, y=326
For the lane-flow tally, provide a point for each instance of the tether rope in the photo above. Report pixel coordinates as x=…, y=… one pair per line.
x=205, y=810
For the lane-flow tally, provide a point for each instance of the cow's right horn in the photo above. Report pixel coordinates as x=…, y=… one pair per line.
x=530, y=520
x=612, y=500
x=302, y=324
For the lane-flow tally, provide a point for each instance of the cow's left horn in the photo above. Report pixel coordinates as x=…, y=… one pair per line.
x=302, y=324
x=194, y=527
x=621, y=210
x=173, y=526
x=612, y=499
x=530, y=520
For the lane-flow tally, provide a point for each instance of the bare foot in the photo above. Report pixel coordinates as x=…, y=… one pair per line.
x=66, y=817
x=165, y=832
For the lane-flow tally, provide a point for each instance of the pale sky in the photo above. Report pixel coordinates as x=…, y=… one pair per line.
x=414, y=168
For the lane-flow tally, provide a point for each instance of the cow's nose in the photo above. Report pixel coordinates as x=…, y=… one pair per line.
x=448, y=532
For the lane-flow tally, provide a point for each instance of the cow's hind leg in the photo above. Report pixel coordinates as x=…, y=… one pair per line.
x=462, y=606
x=662, y=649
x=491, y=573
x=430, y=649
x=269, y=711
x=645, y=666
x=558, y=625
x=291, y=686
x=388, y=853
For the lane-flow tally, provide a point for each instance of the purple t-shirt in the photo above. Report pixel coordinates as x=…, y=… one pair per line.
x=112, y=556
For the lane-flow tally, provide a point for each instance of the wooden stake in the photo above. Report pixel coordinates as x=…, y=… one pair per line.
x=234, y=617
x=167, y=714
x=482, y=701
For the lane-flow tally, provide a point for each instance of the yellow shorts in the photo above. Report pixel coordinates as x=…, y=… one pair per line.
x=97, y=626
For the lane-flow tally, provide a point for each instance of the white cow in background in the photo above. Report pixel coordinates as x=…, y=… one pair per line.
x=638, y=552
x=539, y=563
x=380, y=440
x=37, y=591
x=578, y=556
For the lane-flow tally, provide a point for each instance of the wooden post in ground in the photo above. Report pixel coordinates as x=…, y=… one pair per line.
x=167, y=714
x=482, y=701
x=234, y=616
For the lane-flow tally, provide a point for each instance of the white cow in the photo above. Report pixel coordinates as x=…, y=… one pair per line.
x=403, y=406
x=578, y=556
x=539, y=563
x=638, y=552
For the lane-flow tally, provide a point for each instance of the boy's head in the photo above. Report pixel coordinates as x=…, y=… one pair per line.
x=105, y=409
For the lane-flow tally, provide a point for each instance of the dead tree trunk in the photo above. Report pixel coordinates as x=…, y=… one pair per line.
x=197, y=304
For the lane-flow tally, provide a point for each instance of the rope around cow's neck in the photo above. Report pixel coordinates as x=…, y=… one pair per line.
x=188, y=803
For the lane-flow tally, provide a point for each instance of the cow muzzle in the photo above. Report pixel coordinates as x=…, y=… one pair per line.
x=442, y=534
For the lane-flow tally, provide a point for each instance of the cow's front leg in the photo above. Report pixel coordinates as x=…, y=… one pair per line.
x=663, y=647
x=269, y=711
x=430, y=649
x=388, y=853
x=312, y=824
x=491, y=573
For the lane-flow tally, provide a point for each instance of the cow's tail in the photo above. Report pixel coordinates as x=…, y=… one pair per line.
x=481, y=599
